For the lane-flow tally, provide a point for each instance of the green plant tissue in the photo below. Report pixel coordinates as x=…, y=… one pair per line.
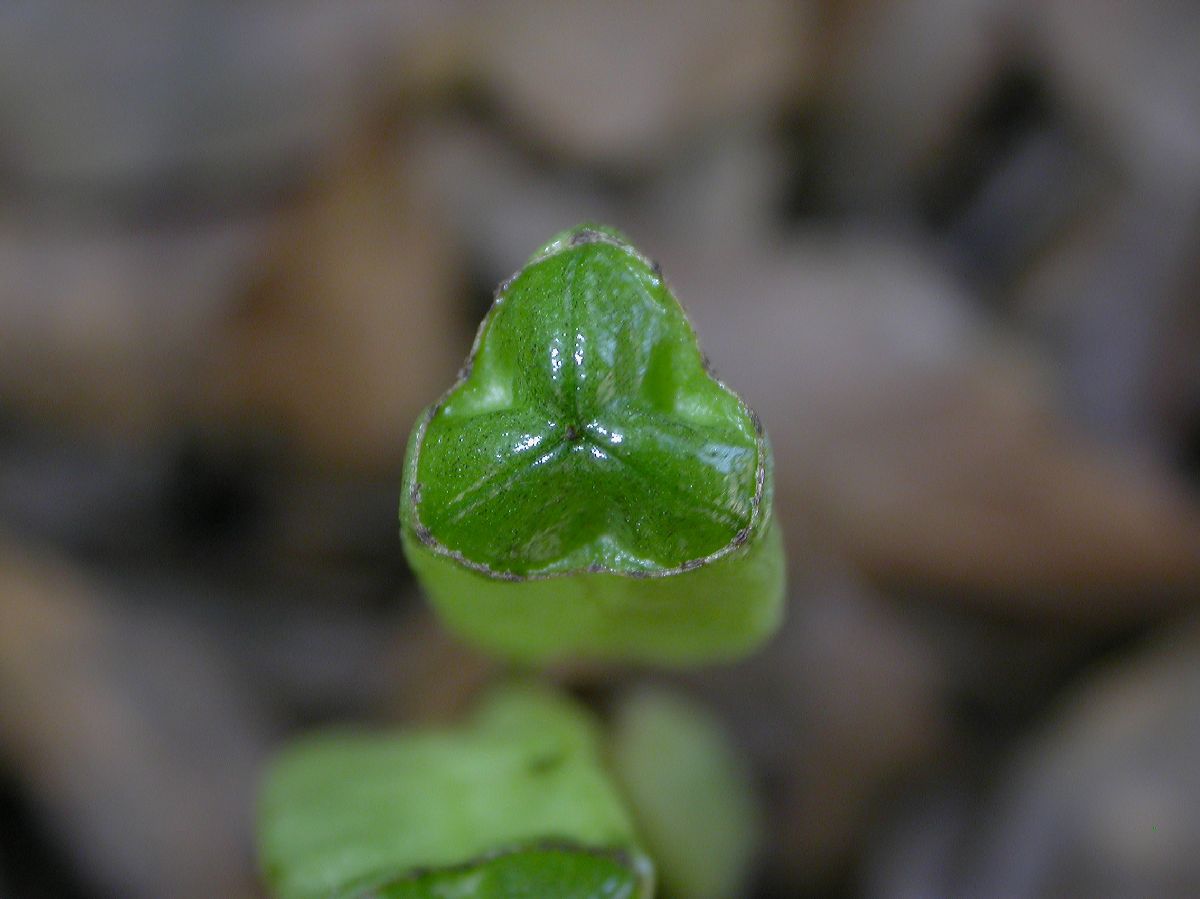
x=691, y=796
x=588, y=487
x=515, y=802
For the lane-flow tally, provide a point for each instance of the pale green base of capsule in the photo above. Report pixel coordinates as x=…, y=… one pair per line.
x=718, y=611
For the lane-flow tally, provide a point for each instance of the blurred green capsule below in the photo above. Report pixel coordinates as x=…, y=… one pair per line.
x=588, y=487
x=515, y=802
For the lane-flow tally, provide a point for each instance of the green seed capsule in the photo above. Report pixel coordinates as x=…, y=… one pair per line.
x=514, y=803
x=588, y=487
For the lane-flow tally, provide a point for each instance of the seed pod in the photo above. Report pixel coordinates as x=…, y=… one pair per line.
x=516, y=802
x=587, y=487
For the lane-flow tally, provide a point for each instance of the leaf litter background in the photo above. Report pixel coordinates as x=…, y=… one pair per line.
x=946, y=249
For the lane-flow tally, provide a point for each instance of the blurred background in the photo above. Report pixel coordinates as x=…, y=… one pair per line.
x=946, y=248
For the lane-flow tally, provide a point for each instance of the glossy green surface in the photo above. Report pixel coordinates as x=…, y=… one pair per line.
x=588, y=487
x=588, y=432
x=343, y=815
